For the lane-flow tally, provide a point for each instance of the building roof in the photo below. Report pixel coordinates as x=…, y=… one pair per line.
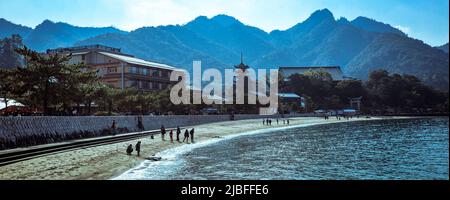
x=11, y=102
x=288, y=95
x=137, y=61
x=80, y=53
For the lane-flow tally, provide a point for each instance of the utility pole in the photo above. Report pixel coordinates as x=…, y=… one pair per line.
x=122, y=76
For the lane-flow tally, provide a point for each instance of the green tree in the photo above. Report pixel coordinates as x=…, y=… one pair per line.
x=7, y=85
x=49, y=80
x=8, y=57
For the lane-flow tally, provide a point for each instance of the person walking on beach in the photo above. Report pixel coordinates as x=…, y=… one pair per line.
x=178, y=133
x=171, y=136
x=163, y=132
x=192, y=135
x=264, y=121
x=287, y=121
x=186, y=136
x=277, y=121
x=138, y=148
x=129, y=149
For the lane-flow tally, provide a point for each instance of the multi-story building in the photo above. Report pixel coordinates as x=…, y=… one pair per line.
x=118, y=69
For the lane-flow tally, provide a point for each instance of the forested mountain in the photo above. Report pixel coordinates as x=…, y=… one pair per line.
x=359, y=46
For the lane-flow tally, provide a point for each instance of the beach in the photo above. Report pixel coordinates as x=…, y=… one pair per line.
x=109, y=161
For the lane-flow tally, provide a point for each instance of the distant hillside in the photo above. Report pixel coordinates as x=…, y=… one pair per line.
x=399, y=54
x=8, y=28
x=359, y=46
x=52, y=35
x=49, y=34
x=443, y=48
x=154, y=44
x=374, y=26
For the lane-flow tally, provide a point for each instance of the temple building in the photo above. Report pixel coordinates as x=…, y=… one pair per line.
x=118, y=69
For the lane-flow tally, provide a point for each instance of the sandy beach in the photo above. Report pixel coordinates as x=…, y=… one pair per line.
x=108, y=161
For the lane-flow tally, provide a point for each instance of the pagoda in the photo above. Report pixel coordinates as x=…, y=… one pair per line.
x=242, y=66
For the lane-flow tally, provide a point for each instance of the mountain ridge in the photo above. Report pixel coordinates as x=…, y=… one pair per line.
x=218, y=42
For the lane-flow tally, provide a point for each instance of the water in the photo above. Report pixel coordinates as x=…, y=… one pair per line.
x=388, y=149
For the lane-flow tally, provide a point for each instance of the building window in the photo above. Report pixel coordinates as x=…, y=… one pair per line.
x=155, y=73
x=145, y=71
x=133, y=70
x=112, y=70
x=164, y=74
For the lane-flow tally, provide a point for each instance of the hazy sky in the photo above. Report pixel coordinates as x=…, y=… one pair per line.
x=422, y=19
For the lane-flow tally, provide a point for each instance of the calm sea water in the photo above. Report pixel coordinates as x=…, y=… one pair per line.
x=388, y=149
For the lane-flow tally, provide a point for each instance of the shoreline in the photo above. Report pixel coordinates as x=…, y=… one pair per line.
x=110, y=161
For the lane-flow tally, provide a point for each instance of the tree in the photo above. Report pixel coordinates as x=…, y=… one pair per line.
x=401, y=92
x=347, y=89
x=49, y=80
x=317, y=85
x=7, y=85
x=8, y=57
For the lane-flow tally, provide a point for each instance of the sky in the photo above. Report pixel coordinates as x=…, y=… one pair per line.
x=427, y=20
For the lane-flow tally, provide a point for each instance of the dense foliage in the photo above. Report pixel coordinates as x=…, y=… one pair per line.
x=383, y=92
x=8, y=57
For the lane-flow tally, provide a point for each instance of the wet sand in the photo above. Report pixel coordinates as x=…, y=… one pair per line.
x=108, y=161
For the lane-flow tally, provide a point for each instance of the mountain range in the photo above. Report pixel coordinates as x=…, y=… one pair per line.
x=358, y=46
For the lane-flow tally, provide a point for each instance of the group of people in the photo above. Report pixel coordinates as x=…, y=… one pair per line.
x=338, y=117
x=268, y=121
x=187, y=134
x=137, y=148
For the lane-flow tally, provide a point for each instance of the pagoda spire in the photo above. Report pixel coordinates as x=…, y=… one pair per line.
x=242, y=66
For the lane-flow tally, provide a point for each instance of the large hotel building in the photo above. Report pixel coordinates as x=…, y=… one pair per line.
x=118, y=69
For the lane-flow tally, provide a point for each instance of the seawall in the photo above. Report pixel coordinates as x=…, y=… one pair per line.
x=38, y=125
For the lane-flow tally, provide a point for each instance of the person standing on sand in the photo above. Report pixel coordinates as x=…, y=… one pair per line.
x=277, y=121
x=178, y=133
x=171, y=136
x=288, y=121
x=129, y=149
x=192, y=135
x=138, y=148
x=264, y=121
x=163, y=132
x=186, y=136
